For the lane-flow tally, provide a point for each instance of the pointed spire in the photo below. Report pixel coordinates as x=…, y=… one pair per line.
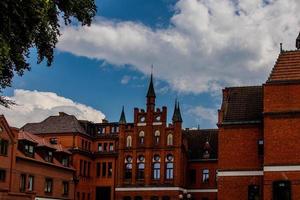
x=177, y=114
x=298, y=42
x=151, y=92
x=122, y=117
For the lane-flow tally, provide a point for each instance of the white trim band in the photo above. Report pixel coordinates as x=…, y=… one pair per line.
x=157, y=123
x=130, y=189
x=282, y=168
x=133, y=189
x=240, y=173
x=202, y=190
x=141, y=124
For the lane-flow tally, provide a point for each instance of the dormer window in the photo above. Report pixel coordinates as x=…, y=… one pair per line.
x=49, y=156
x=65, y=161
x=29, y=150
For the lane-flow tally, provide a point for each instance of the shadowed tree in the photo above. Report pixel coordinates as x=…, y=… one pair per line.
x=34, y=23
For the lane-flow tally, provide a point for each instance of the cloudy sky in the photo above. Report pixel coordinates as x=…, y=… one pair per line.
x=197, y=47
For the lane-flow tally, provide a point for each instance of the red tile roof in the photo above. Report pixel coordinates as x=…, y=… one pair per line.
x=287, y=67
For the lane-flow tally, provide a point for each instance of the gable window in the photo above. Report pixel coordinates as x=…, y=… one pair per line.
x=169, y=167
x=22, y=182
x=49, y=156
x=142, y=137
x=156, y=136
x=128, y=141
x=282, y=190
x=65, y=161
x=141, y=167
x=205, y=175
x=170, y=139
x=3, y=147
x=65, y=188
x=2, y=175
x=128, y=167
x=48, y=185
x=253, y=192
x=156, y=167
x=30, y=182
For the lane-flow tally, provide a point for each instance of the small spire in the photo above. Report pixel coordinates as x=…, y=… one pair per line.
x=177, y=114
x=281, y=48
x=122, y=117
x=298, y=42
x=151, y=92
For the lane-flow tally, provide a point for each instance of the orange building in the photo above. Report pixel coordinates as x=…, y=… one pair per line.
x=32, y=168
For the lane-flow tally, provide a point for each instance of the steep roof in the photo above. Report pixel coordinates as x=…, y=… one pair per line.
x=287, y=67
x=63, y=123
x=151, y=92
x=242, y=104
x=197, y=143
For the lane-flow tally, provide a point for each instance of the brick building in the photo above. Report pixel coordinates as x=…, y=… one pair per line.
x=252, y=155
x=33, y=168
x=259, y=135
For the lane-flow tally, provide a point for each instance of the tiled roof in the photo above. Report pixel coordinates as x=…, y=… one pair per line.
x=63, y=123
x=287, y=67
x=242, y=104
x=197, y=143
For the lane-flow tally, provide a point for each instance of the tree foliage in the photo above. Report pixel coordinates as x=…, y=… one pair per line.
x=34, y=23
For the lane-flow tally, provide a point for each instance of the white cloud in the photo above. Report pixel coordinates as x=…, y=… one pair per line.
x=203, y=115
x=209, y=44
x=125, y=79
x=35, y=106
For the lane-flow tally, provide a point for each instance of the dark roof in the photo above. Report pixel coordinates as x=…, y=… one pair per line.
x=177, y=114
x=287, y=67
x=63, y=123
x=242, y=104
x=151, y=92
x=197, y=143
x=122, y=117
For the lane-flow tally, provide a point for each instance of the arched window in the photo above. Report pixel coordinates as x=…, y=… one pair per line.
x=141, y=167
x=156, y=136
x=128, y=167
x=129, y=141
x=169, y=167
x=170, y=139
x=142, y=137
x=156, y=167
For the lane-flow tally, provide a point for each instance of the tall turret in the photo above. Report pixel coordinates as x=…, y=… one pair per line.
x=122, y=120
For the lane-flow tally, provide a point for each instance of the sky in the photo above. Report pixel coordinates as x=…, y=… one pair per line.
x=197, y=47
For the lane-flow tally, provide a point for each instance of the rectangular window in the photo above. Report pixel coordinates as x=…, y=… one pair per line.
x=103, y=169
x=260, y=147
x=30, y=183
x=2, y=175
x=78, y=195
x=282, y=190
x=81, y=167
x=49, y=156
x=48, y=185
x=22, y=182
x=111, y=147
x=89, y=169
x=83, y=196
x=82, y=144
x=89, y=146
x=84, y=168
x=29, y=150
x=192, y=176
x=253, y=192
x=65, y=188
x=98, y=168
x=3, y=147
x=89, y=196
x=109, y=169
x=205, y=176
x=100, y=147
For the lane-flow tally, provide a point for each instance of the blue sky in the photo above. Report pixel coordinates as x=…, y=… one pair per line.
x=195, y=48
